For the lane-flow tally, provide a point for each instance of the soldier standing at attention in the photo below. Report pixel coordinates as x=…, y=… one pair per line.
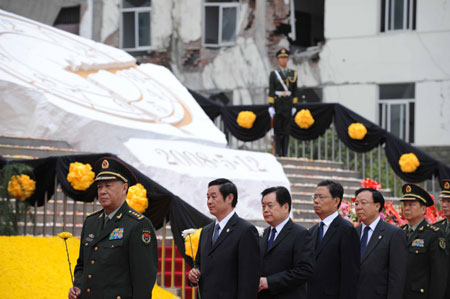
x=282, y=97
x=427, y=264
x=444, y=224
x=118, y=252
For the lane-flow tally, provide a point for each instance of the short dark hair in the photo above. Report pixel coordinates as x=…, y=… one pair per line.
x=376, y=195
x=336, y=189
x=226, y=187
x=281, y=194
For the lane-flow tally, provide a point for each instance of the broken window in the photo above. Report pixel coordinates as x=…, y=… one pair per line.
x=220, y=22
x=68, y=19
x=398, y=15
x=306, y=24
x=135, y=25
x=396, y=112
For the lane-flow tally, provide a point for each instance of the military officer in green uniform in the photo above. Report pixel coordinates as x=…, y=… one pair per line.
x=118, y=252
x=444, y=224
x=282, y=97
x=427, y=264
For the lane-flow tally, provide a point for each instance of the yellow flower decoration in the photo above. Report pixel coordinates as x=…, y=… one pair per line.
x=192, y=239
x=304, y=119
x=357, y=131
x=65, y=235
x=137, y=198
x=80, y=176
x=246, y=119
x=21, y=186
x=409, y=162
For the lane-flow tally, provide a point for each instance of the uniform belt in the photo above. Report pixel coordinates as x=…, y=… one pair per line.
x=280, y=93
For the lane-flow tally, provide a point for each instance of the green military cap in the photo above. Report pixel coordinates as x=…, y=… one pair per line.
x=282, y=53
x=112, y=169
x=445, y=189
x=413, y=192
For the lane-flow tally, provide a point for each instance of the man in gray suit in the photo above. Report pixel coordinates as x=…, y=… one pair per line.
x=383, y=250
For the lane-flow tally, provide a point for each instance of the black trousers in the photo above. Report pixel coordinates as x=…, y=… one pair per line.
x=281, y=125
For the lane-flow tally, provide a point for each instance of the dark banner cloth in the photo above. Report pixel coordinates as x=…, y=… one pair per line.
x=62, y=169
x=396, y=147
x=211, y=108
x=344, y=117
x=323, y=116
x=260, y=127
x=44, y=175
x=2, y=162
x=183, y=216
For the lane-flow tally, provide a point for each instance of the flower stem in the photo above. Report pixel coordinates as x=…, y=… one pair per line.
x=68, y=259
x=195, y=266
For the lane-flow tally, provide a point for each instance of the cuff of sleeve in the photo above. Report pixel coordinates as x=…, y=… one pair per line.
x=295, y=100
x=271, y=100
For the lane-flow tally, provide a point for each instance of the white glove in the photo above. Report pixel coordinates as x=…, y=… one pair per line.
x=294, y=110
x=271, y=112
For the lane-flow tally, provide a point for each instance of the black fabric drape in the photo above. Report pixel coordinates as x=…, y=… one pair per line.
x=211, y=108
x=344, y=117
x=260, y=127
x=62, y=169
x=183, y=216
x=323, y=116
x=2, y=162
x=44, y=175
x=396, y=147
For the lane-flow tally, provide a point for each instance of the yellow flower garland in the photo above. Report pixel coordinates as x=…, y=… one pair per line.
x=304, y=119
x=21, y=186
x=137, y=198
x=80, y=176
x=409, y=162
x=357, y=131
x=194, y=239
x=246, y=119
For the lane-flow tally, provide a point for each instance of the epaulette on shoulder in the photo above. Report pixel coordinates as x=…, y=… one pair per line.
x=94, y=213
x=432, y=227
x=135, y=215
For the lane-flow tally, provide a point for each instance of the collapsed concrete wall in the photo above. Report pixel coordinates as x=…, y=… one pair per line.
x=241, y=69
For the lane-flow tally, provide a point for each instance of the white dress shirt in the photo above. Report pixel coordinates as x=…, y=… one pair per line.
x=327, y=222
x=224, y=222
x=372, y=226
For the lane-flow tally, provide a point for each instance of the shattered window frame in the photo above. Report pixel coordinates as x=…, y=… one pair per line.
x=137, y=11
x=392, y=20
x=220, y=30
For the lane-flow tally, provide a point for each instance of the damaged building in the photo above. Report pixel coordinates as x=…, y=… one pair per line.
x=385, y=59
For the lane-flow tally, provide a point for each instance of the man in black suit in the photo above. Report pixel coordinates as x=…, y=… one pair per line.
x=336, y=246
x=383, y=250
x=228, y=255
x=286, y=249
x=444, y=224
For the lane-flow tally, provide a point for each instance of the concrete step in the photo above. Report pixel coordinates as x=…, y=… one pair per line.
x=321, y=171
x=35, y=151
x=309, y=162
x=24, y=141
x=315, y=179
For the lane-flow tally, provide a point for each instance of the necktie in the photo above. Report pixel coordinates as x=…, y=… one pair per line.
x=216, y=233
x=105, y=221
x=409, y=233
x=320, y=234
x=271, y=238
x=447, y=229
x=364, y=238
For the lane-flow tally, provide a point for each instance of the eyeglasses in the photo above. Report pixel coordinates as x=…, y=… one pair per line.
x=319, y=197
